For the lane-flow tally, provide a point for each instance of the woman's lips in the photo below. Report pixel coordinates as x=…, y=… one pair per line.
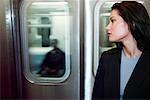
x=108, y=33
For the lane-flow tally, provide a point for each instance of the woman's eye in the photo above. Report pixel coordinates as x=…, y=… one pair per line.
x=112, y=20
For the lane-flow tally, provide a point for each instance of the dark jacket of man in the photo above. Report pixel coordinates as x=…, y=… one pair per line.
x=54, y=62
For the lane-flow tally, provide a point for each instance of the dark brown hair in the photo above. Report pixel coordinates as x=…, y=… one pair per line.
x=137, y=18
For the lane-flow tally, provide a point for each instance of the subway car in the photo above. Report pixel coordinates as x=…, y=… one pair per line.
x=50, y=49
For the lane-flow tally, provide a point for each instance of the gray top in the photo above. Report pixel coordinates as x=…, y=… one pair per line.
x=127, y=67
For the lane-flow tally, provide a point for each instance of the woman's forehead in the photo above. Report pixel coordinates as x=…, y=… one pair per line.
x=114, y=13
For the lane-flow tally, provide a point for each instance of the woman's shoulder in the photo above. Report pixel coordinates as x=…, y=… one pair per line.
x=109, y=54
x=112, y=51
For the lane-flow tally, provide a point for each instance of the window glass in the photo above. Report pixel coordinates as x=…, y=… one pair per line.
x=104, y=13
x=47, y=40
x=101, y=42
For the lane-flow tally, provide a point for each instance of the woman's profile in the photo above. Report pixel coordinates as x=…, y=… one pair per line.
x=124, y=71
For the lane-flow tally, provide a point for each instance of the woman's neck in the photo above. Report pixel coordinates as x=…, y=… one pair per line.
x=130, y=49
x=131, y=52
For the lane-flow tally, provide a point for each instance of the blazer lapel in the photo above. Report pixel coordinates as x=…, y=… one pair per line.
x=112, y=77
x=116, y=74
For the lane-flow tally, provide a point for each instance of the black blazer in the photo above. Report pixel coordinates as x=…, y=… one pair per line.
x=107, y=80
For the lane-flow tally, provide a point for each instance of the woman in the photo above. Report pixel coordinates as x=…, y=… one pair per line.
x=124, y=72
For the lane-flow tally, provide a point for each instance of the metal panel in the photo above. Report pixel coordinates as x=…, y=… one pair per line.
x=8, y=79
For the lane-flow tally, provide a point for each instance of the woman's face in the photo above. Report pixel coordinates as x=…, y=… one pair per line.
x=117, y=29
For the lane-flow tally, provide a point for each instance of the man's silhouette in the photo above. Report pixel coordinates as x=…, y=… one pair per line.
x=54, y=62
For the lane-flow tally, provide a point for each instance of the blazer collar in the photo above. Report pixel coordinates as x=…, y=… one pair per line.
x=116, y=72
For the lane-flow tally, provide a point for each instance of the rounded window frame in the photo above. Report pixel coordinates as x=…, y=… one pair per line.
x=24, y=47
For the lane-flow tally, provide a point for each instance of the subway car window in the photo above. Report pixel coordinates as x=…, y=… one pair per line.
x=46, y=40
x=102, y=12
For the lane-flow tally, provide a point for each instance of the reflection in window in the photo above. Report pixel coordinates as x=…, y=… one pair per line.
x=48, y=38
